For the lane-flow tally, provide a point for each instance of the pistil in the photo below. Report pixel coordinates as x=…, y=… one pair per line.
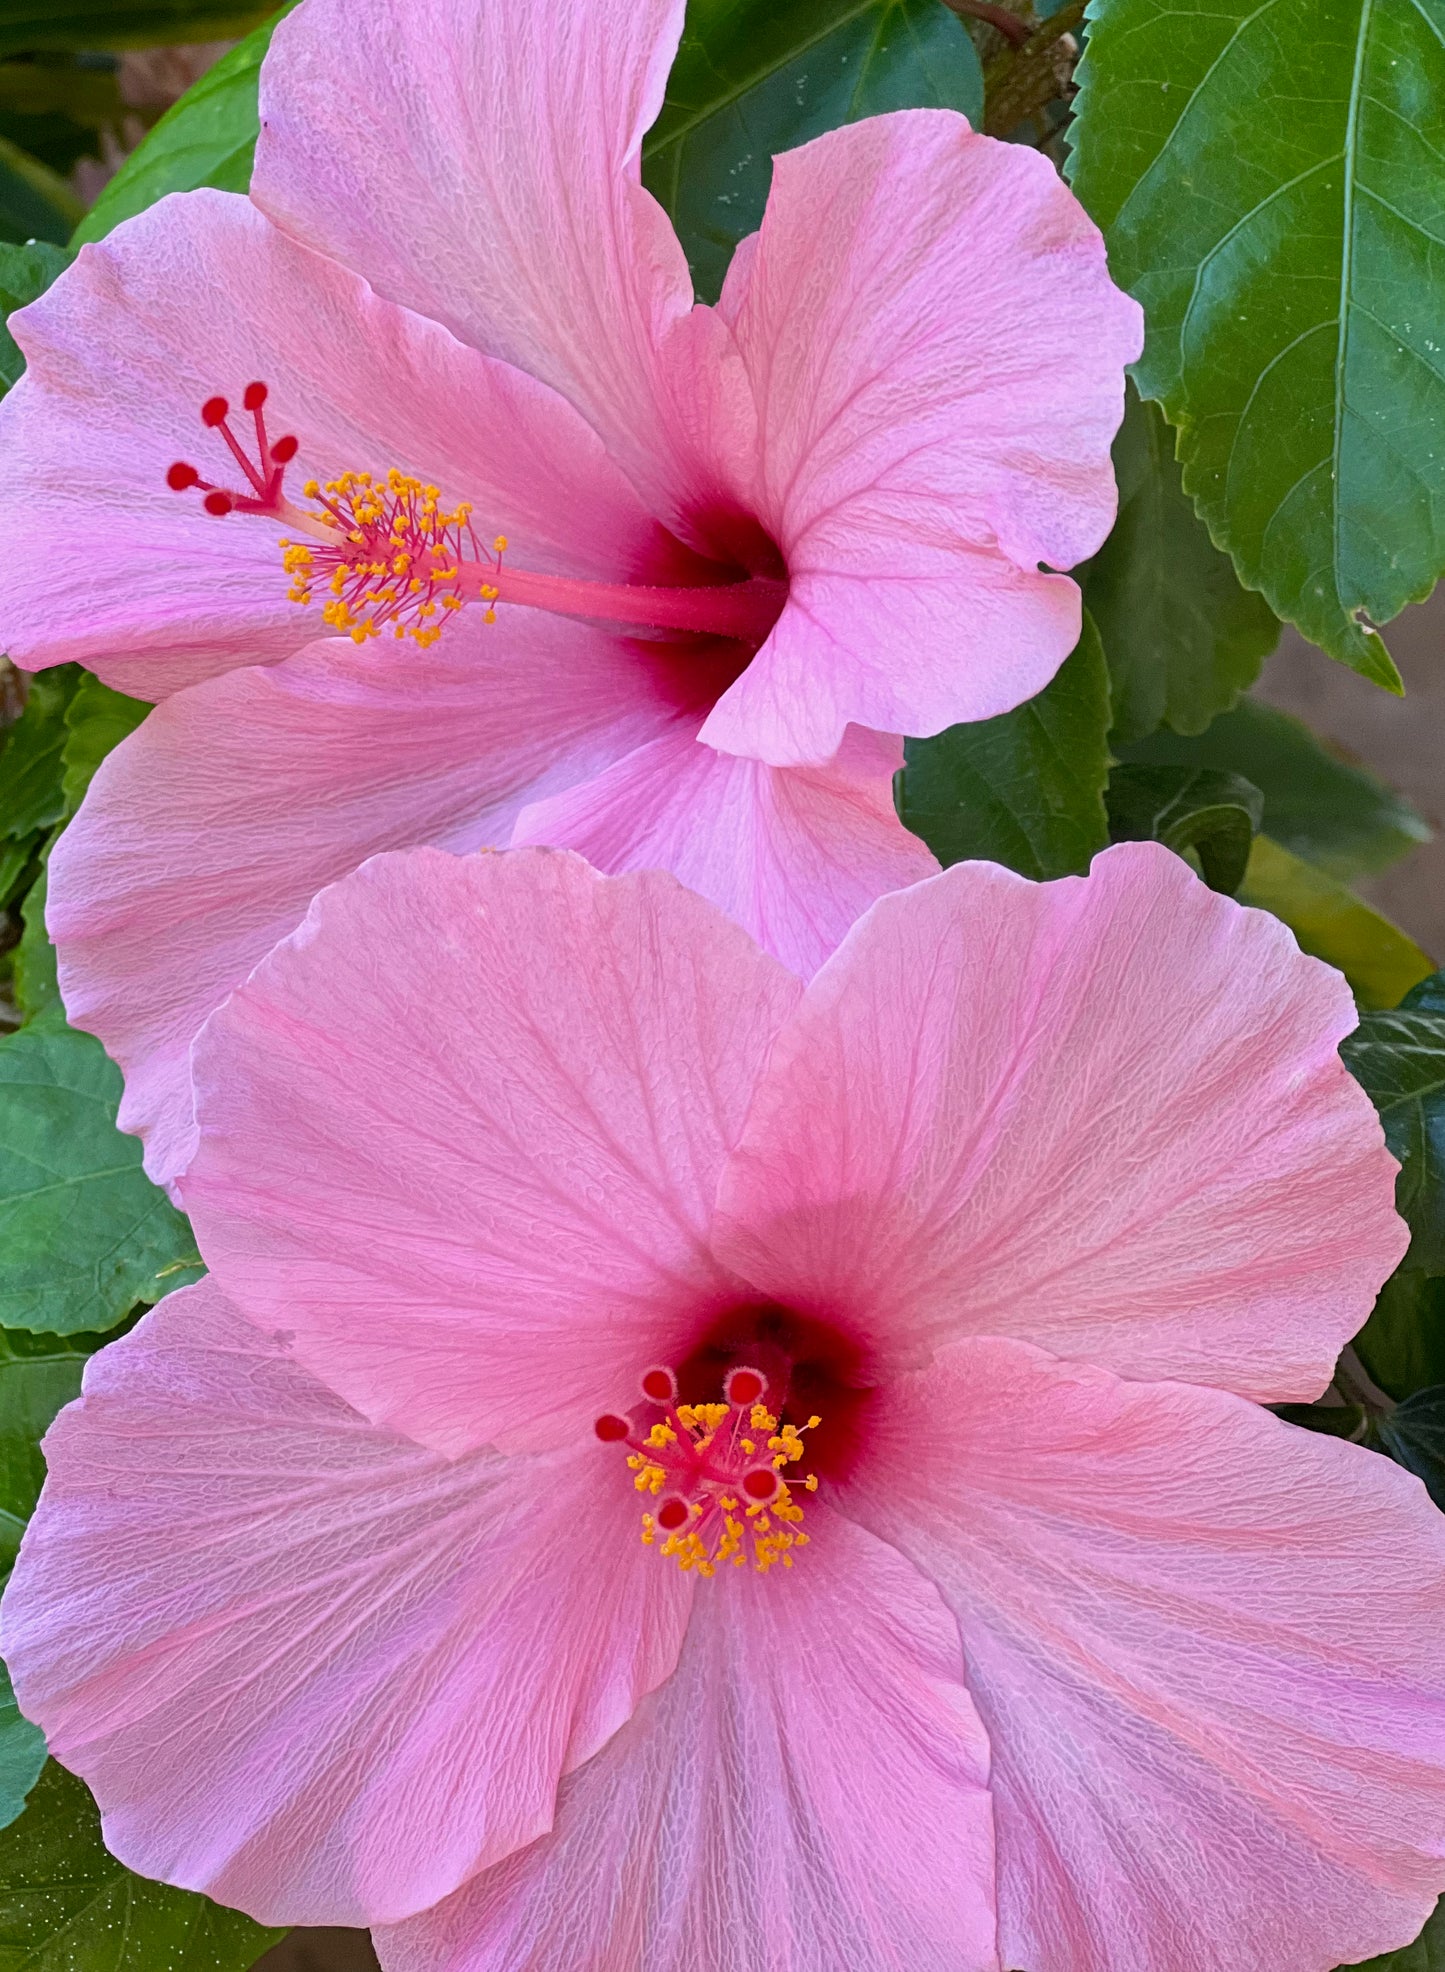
x=385, y=554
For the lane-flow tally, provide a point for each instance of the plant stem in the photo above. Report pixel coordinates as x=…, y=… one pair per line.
x=1013, y=29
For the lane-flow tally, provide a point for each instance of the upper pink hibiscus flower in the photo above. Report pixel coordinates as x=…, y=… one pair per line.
x=983, y=1250
x=744, y=545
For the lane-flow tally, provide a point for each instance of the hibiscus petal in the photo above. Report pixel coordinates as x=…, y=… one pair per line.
x=484, y=1224
x=1105, y=1114
x=305, y=1665
x=937, y=354
x=794, y=855
x=200, y=296
x=1206, y=1647
x=807, y=1793
x=206, y=834
x=480, y=163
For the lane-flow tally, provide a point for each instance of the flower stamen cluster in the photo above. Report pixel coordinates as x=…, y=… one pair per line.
x=395, y=557
x=719, y=1475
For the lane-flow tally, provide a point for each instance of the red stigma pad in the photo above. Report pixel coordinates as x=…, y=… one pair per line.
x=660, y=1386
x=181, y=476
x=255, y=396
x=743, y=1385
x=671, y=1515
x=612, y=1429
x=215, y=411
x=218, y=503
x=284, y=450
x=761, y=1483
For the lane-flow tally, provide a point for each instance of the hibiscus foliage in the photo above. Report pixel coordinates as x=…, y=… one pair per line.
x=1281, y=459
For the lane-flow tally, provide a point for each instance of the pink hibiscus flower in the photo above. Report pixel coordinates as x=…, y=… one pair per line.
x=745, y=545
x=918, y=1321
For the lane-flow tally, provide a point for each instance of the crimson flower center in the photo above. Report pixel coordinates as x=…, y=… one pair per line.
x=385, y=553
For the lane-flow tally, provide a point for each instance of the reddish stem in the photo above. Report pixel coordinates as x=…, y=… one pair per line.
x=745, y=610
x=1013, y=30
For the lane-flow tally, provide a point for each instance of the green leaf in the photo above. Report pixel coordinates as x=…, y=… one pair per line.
x=1399, y=1059
x=16, y=859
x=207, y=138
x=1427, y=1954
x=67, y=1905
x=756, y=77
x=39, y=1375
x=97, y=719
x=32, y=797
x=1379, y=960
x=1183, y=639
x=1402, y=1345
x=30, y=25
x=37, y=984
x=83, y=1232
x=22, y=1753
x=1268, y=180
x=1026, y=788
x=35, y=202
x=1188, y=808
x=1414, y=1435
x=1317, y=805
x=25, y=272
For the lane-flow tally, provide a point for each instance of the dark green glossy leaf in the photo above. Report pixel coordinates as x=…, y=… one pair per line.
x=207, y=138
x=84, y=1234
x=1380, y=961
x=37, y=986
x=67, y=1905
x=22, y=1753
x=1427, y=1954
x=1188, y=808
x=39, y=1375
x=97, y=719
x=28, y=25
x=1330, y=1420
x=1428, y=996
x=35, y=202
x=1183, y=639
x=1025, y=789
x=1268, y=178
x=1402, y=1345
x=32, y=796
x=1414, y=1435
x=25, y=272
x=756, y=77
x=16, y=860
x=1399, y=1059
x=1317, y=805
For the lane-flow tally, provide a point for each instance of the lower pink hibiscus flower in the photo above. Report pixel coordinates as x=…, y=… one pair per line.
x=677, y=1471
x=653, y=581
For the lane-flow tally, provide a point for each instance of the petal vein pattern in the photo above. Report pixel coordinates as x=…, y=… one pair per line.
x=325, y=1675
x=1192, y=1632
x=552, y=1189
x=808, y=1793
x=1143, y=1150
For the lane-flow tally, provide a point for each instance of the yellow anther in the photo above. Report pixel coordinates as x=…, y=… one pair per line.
x=500, y=544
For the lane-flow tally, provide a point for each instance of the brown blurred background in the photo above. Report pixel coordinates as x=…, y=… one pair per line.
x=1402, y=740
